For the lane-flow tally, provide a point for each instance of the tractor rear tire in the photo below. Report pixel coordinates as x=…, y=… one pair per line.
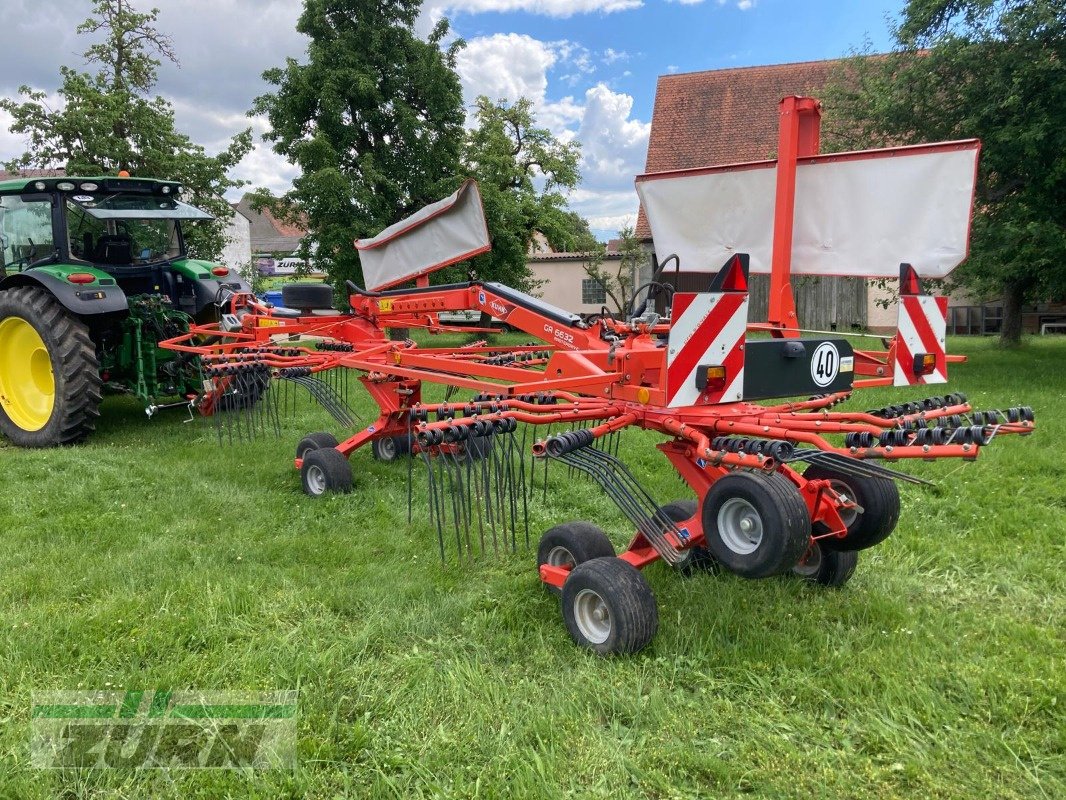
x=609, y=608
x=756, y=525
x=324, y=471
x=572, y=543
x=832, y=568
x=307, y=296
x=879, y=499
x=50, y=386
x=695, y=559
x=315, y=441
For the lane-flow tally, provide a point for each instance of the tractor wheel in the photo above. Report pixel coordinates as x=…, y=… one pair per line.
x=326, y=470
x=608, y=607
x=756, y=525
x=831, y=568
x=572, y=543
x=695, y=559
x=390, y=448
x=307, y=296
x=315, y=441
x=879, y=500
x=50, y=387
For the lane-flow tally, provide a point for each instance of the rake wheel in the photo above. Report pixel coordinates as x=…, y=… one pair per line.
x=609, y=608
x=572, y=543
x=832, y=568
x=389, y=448
x=696, y=559
x=879, y=500
x=756, y=525
x=315, y=441
x=324, y=471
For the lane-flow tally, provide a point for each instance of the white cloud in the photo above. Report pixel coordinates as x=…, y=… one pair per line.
x=614, y=146
x=505, y=66
x=549, y=8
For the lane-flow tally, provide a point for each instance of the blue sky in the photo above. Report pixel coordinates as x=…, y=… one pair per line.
x=590, y=66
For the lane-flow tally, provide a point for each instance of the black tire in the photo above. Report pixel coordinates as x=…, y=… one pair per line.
x=756, y=525
x=70, y=357
x=572, y=543
x=325, y=470
x=694, y=559
x=609, y=608
x=390, y=448
x=832, y=568
x=315, y=441
x=307, y=295
x=879, y=499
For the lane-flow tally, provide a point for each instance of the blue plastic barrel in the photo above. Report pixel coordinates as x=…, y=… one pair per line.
x=273, y=297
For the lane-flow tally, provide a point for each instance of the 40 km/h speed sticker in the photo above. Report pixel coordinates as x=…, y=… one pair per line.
x=825, y=364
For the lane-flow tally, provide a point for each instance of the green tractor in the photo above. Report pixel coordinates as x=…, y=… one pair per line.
x=94, y=273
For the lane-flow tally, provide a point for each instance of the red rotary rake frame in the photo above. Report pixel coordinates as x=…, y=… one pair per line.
x=693, y=376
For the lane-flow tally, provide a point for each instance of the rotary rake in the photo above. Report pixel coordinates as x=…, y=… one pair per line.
x=781, y=485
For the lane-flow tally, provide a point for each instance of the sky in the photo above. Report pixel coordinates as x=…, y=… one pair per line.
x=589, y=66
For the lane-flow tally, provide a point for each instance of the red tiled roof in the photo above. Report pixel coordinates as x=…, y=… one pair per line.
x=723, y=116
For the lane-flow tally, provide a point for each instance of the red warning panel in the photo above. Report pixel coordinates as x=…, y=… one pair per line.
x=707, y=333
x=920, y=340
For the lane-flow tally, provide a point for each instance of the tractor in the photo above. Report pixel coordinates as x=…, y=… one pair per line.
x=94, y=273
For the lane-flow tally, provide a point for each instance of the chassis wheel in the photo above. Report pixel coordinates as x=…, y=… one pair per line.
x=696, y=559
x=608, y=607
x=879, y=500
x=572, y=543
x=389, y=448
x=325, y=470
x=756, y=525
x=827, y=567
x=315, y=441
x=50, y=387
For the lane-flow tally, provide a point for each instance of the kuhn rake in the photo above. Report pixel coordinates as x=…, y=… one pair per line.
x=692, y=374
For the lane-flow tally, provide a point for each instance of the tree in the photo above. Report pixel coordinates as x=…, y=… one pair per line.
x=108, y=121
x=522, y=170
x=995, y=71
x=373, y=119
x=618, y=283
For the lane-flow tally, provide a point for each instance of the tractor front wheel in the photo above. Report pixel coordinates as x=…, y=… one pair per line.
x=50, y=387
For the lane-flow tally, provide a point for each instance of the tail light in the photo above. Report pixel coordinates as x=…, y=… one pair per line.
x=710, y=378
x=220, y=271
x=924, y=363
x=81, y=277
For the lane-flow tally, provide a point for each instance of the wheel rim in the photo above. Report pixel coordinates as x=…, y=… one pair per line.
x=592, y=616
x=316, y=479
x=387, y=449
x=559, y=556
x=849, y=516
x=27, y=385
x=811, y=563
x=740, y=526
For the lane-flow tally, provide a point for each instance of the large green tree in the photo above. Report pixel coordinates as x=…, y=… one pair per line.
x=373, y=119
x=523, y=171
x=108, y=121
x=995, y=70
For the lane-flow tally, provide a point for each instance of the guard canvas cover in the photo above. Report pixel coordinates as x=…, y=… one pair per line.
x=856, y=214
x=442, y=233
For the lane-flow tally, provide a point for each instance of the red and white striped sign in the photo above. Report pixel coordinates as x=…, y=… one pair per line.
x=922, y=328
x=708, y=329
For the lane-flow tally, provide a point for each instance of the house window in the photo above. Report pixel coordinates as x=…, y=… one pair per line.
x=593, y=292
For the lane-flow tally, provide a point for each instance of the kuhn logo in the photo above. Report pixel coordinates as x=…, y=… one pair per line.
x=499, y=309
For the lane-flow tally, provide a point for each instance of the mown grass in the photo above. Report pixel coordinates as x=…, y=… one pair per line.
x=152, y=558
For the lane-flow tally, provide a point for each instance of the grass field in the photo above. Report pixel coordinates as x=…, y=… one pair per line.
x=151, y=558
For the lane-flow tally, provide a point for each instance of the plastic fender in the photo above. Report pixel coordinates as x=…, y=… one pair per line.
x=103, y=296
